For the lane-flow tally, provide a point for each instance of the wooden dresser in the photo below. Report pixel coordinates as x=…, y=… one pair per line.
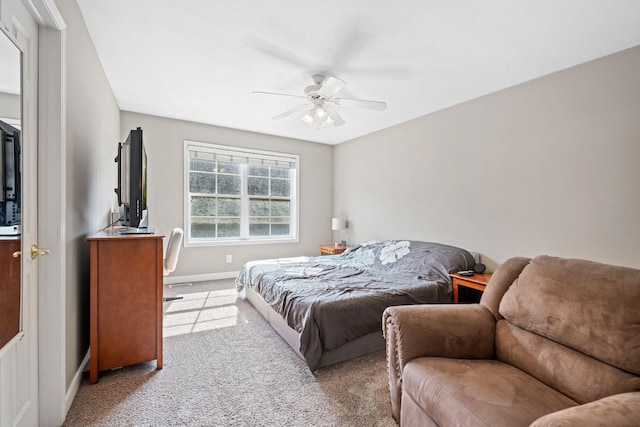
x=126, y=300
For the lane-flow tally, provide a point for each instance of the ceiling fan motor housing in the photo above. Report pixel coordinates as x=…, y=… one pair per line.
x=311, y=92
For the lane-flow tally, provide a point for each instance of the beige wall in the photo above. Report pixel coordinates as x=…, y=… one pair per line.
x=164, y=142
x=93, y=130
x=546, y=167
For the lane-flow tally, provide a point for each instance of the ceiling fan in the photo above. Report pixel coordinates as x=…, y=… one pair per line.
x=322, y=92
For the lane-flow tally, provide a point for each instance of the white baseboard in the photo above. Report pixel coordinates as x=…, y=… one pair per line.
x=75, y=384
x=172, y=280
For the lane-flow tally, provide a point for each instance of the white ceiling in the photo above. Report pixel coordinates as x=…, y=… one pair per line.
x=200, y=60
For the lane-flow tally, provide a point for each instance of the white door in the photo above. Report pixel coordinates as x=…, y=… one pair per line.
x=19, y=359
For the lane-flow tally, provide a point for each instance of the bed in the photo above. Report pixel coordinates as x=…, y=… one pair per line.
x=329, y=308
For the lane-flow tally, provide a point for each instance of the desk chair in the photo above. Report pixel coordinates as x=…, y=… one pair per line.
x=171, y=256
x=173, y=250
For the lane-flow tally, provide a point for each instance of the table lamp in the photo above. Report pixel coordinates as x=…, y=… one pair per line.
x=338, y=224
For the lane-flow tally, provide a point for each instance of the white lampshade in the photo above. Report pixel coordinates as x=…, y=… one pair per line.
x=338, y=224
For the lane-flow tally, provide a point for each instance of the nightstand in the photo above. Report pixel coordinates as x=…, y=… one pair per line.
x=332, y=249
x=478, y=282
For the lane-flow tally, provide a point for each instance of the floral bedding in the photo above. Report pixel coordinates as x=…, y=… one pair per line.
x=331, y=300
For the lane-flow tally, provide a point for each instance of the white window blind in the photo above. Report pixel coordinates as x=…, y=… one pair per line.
x=242, y=157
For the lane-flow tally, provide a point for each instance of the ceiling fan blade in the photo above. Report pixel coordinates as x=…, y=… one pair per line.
x=330, y=86
x=337, y=120
x=291, y=111
x=361, y=103
x=279, y=94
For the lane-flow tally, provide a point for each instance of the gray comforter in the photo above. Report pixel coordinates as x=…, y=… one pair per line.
x=331, y=300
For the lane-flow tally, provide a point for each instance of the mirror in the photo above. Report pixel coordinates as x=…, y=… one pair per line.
x=10, y=190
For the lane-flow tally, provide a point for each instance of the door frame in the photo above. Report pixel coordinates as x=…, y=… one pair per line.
x=54, y=396
x=52, y=345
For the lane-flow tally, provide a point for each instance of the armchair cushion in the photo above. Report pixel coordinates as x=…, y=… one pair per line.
x=568, y=371
x=477, y=393
x=620, y=410
x=587, y=306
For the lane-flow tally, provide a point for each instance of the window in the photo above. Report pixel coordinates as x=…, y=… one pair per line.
x=235, y=195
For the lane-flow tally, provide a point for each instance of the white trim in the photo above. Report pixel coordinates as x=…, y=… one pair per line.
x=257, y=241
x=46, y=13
x=200, y=277
x=52, y=233
x=11, y=343
x=75, y=383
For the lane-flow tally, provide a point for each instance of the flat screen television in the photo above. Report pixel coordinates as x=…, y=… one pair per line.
x=10, y=182
x=132, y=180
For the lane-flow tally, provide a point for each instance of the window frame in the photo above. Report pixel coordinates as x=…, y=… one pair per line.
x=244, y=197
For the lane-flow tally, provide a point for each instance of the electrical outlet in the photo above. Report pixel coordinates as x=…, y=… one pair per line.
x=229, y=258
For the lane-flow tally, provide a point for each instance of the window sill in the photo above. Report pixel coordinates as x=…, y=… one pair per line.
x=210, y=243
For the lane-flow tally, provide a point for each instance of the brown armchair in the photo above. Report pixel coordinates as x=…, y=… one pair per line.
x=553, y=342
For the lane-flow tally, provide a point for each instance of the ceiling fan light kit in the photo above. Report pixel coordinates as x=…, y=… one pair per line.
x=321, y=115
x=318, y=118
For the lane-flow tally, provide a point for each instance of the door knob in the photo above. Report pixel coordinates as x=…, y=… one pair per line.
x=16, y=254
x=36, y=251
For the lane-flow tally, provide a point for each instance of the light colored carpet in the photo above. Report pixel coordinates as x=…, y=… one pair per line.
x=225, y=366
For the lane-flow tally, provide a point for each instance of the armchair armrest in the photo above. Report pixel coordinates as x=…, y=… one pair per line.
x=621, y=410
x=464, y=331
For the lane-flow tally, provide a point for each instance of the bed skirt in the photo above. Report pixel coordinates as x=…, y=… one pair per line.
x=359, y=347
